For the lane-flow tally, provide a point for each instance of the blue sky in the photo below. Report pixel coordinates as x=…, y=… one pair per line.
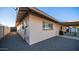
x=8, y=15
x=62, y=14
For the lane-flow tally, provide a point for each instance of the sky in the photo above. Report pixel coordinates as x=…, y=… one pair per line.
x=7, y=16
x=65, y=14
x=62, y=14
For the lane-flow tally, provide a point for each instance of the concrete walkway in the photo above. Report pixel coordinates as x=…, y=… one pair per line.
x=13, y=42
x=69, y=37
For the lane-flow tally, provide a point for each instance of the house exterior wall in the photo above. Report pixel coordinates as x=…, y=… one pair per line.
x=24, y=33
x=20, y=30
x=37, y=33
x=63, y=28
x=34, y=32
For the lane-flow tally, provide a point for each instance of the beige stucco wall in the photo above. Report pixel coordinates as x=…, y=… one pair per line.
x=37, y=33
x=63, y=28
x=4, y=31
x=1, y=31
x=20, y=31
x=24, y=33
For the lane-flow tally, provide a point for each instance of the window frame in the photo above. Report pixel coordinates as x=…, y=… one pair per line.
x=48, y=24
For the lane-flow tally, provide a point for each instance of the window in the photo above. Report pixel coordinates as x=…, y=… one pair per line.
x=47, y=26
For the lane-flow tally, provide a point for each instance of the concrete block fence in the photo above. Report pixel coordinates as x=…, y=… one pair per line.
x=4, y=30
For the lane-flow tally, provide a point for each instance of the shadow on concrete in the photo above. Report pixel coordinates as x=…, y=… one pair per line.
x=13, y=42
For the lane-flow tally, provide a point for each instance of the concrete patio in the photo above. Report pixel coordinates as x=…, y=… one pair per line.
x=13, y=42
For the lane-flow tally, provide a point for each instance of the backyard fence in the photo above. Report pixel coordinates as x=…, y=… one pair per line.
x=4, y=31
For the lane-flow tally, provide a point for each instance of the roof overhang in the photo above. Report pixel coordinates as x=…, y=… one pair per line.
x=23, y=11
x=70, y=23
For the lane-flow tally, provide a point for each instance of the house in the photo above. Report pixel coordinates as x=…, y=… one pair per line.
x=34, y=25
x=4, y=30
